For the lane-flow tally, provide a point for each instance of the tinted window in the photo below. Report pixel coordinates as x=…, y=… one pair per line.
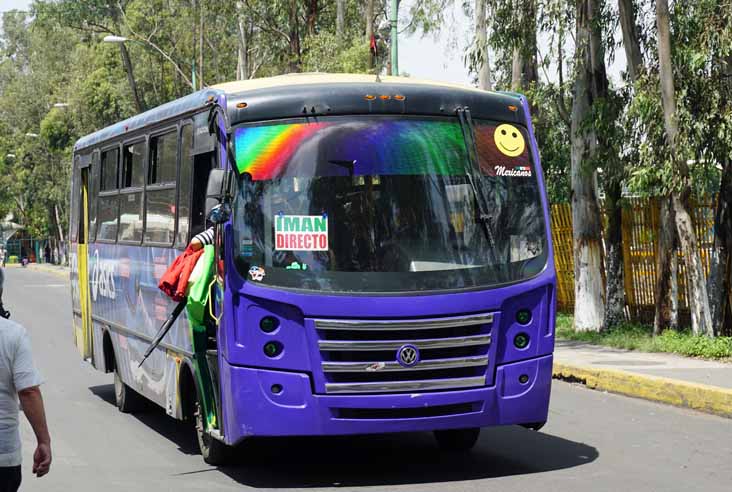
x=93, y=192
x=184, y=184
x=107, y=217
x=160, y=216
x=386, y=204
x=110, y=159
x=132, y=165
x=163, y=155
x=130, y=217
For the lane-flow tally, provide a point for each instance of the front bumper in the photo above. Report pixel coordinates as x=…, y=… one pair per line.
x=250, y=408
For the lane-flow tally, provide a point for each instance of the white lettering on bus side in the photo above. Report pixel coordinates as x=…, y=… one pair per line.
x=102, y=278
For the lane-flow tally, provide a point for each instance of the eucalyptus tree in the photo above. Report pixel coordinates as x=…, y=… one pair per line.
x=591, y=87
x=701, y=321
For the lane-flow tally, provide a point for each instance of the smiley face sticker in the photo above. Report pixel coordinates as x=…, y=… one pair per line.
x=509, y=140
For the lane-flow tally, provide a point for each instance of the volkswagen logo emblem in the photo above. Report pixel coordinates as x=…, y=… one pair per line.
x=408, y=355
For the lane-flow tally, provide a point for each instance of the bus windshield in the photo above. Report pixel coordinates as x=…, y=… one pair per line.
x=385, y=204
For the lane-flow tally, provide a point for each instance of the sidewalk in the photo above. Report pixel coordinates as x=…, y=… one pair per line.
x=44, y=267
x=667, y=378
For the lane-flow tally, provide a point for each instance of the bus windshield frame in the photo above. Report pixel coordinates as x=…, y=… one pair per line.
x=383, y=205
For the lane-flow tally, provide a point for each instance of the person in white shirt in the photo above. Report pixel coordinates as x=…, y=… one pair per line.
x=3, y=313
x=19, y=380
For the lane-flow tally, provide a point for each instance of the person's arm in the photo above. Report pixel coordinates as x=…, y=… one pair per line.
x=31, y=401
x=27, y=381
x=202, y=239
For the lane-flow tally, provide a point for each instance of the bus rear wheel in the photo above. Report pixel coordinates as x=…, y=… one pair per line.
x=127, y=399
x=213, y=451
x=457, y=440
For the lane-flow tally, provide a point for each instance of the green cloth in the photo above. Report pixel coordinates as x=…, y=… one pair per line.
x=198, y=292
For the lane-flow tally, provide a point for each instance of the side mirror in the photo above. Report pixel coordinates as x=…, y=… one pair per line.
x=218, y=192
x=220, y=213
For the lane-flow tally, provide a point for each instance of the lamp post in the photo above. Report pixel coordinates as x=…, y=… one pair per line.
x=394, y=32
x=139, y=104
x=121, y=40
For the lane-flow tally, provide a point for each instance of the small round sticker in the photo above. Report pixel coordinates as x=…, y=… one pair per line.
x=509, y=140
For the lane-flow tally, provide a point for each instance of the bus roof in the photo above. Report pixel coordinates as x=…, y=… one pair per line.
x=289, y=80
x=276, y=93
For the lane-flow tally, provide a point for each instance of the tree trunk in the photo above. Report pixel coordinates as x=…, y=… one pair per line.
x=340, y=18
x=630, y=38
x=589, y=302
x=530, y=64
x=139, y=103
x=516, y=70
x=370, y=28
x=294, y=38
x=311, y=17
x=701, y=322
x=615, y=289
x=200, y=45
x=666, y=314
x=481, y=42
x=242, y=65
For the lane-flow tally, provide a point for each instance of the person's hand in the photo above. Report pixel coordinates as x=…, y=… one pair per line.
x=42, y=459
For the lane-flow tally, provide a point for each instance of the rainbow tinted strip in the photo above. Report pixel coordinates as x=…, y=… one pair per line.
x=379, y=147
x=264, y=151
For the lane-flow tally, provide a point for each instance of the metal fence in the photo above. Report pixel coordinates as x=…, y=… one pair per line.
x=640, y=226
x=49, y=250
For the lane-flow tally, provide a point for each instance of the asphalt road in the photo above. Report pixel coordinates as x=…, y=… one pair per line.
x=593, y=442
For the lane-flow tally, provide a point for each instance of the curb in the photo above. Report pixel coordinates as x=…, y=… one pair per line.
x=696, y=396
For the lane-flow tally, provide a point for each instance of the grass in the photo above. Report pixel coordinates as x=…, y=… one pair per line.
x=640, y=337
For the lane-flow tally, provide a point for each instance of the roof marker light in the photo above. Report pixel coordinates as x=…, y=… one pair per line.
x=399, y=97
x=241, y=105
x=369, y=97
x=513, y=108
x=385, y=97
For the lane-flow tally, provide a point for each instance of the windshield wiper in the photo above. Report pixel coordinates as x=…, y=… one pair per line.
x=471, y=166
x=350, y=165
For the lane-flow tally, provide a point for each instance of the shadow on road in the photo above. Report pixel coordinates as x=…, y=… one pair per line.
x=378, y=460
x=155, y=417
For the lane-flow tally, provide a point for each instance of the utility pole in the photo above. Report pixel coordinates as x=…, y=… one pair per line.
x=394, y=32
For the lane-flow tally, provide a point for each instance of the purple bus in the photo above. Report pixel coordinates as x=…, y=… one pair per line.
x=383, y=259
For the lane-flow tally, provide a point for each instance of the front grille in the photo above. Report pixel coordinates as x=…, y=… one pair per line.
x=361, y=356
x=406, y=413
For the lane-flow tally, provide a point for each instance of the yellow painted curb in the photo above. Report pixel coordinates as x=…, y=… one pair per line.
x=702, y=397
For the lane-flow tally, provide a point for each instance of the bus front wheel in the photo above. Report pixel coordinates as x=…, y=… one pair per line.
x=127, y=399
x=457, y=440
x=213, y=451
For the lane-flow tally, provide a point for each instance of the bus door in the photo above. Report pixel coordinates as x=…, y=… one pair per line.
x=83, y=329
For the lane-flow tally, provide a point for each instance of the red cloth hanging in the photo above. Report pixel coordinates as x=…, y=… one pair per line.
x=175, y=279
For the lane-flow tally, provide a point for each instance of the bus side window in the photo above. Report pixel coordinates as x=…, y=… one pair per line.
x=202, y=165
x=108, y=202
x=160, y=196
x=130, y=203
x=184, y=184
x=93, y=195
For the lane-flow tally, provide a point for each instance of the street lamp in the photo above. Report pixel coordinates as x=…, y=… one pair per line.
x=31, y=135
x=10, y=156
x=61, y=105
x=115, y=39
x=121, y=40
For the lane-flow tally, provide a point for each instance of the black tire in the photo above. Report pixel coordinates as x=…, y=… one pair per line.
x=213, y=451
x=457, y=440
x=535, y=426
x=127, y=399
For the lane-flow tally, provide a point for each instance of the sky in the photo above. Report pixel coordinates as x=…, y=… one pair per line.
x=436, y=58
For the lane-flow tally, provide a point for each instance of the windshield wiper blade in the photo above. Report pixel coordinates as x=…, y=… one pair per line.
x=348, y=164
x=466, y=126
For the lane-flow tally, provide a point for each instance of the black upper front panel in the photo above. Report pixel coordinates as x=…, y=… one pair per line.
x=359, y=98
